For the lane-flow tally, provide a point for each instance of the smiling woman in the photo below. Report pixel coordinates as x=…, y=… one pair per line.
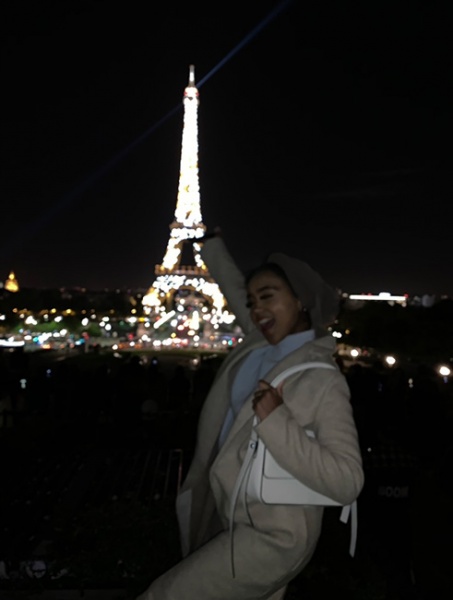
x=274, y=306
x=284, y=307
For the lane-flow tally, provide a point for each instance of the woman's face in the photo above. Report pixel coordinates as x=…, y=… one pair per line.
x=273, y=307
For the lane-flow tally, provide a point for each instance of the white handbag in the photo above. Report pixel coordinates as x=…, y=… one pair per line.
x=262, y=478
x=266, y=480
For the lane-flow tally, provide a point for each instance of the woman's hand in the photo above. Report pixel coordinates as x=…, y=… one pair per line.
x=216, y=232
x=266, y=399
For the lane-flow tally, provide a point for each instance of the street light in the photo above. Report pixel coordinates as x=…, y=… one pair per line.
x=390, y=360
x=444, y=371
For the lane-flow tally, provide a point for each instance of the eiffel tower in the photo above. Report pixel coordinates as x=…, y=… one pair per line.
x=183, y=284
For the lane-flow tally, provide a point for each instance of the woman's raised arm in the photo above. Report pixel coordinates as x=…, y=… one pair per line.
x=228, y=277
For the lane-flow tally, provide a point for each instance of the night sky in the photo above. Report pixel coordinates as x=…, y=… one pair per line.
x=325, y=131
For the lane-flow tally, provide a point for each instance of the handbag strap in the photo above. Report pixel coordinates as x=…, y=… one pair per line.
x=349, y=510
x=315, y=364
x=246, y=464
x=281, y=377
x=236, y=490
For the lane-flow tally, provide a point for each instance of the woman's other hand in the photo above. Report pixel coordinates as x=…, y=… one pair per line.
x=266, y=399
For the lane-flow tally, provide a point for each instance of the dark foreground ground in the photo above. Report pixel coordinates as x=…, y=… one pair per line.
x=87, y=504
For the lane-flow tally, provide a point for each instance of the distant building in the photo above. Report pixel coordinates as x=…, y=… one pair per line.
x=11, y=284
x=382, y=297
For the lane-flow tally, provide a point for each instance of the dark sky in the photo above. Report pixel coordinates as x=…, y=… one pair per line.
x=325, y=131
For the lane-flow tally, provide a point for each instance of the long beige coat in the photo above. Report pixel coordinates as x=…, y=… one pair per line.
x=282, y=539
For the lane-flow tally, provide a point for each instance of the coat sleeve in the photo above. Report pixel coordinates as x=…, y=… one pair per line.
x=230, y=279
x=329, y=463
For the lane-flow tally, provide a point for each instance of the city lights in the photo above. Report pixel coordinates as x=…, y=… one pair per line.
x=382, y=297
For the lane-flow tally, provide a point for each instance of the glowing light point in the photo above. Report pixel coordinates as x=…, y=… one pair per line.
x=11, y=283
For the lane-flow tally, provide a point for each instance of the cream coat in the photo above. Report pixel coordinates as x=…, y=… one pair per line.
x=282, y=539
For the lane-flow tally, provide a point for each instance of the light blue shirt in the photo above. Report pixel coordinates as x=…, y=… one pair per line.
x=254, y=367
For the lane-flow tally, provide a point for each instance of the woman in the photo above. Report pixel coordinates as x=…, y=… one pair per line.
x=288, y=309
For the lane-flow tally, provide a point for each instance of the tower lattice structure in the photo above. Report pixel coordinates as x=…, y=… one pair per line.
x=178, y=285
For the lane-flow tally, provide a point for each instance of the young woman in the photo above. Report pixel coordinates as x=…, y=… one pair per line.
x=284, y=308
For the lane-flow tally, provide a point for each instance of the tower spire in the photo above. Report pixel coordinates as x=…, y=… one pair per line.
x=180, y=286
x=192, y=75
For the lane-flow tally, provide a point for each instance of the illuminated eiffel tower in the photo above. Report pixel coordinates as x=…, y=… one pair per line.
x=185, y=290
